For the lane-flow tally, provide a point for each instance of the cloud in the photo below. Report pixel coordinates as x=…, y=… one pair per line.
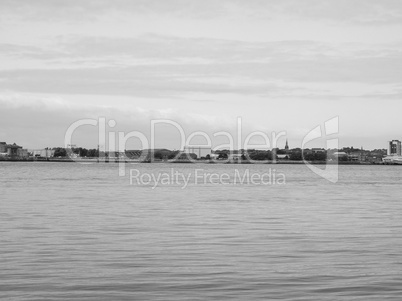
x=35, y=121
x=165, y=66
x=363, y=12
x=156, y=48
x=276, y=78
x=44, y=120
x=279, y=60
x=340, y=11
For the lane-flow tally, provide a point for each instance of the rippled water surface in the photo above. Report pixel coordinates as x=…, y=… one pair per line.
x=81, y=232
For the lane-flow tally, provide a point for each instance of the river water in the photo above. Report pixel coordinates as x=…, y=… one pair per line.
x=73, y=231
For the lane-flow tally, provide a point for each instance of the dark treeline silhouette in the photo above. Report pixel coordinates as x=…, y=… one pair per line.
x=80, y=151
x=297, y=154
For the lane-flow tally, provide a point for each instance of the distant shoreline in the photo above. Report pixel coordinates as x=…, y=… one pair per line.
x=92, y=160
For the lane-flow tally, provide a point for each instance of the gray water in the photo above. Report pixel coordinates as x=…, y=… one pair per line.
x=81, y=232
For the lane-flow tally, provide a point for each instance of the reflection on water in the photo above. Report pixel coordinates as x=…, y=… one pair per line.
x=71, y=231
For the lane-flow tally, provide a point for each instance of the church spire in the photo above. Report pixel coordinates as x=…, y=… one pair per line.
x=287, y=145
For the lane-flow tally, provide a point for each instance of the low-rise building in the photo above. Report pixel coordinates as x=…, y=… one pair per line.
x=318, y=150
x=200, y=151
x=235, y=157
x=13, y=150
x=340, y=154
x=23, y=153
x=392, y=160
x=44, y=153
x=357, y=156
x=3, y=148
x=186, y=156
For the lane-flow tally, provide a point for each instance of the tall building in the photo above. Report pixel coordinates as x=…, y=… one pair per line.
x=287, y=145
x=394, y=148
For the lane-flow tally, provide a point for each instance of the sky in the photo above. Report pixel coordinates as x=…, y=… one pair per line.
x=281, y=66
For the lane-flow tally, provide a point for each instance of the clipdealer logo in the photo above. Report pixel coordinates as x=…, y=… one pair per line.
x=108, y=139
x=329, y=131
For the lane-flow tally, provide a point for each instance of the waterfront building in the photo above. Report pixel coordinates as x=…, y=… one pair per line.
x=13, y=150
x=44, y=153
x=376, y=156
x=394, y=153
x=355, y=157
x=22, y=153
x=340, y=154
x=186, y=156
x=235, y=157
x=200, y=151
x=318, y=150
x=394, y=148
x=214, y=156
x=3, y=147
x=392, y=160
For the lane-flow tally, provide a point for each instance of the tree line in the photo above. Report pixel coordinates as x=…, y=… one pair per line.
x=80, y=151
x=256, y=155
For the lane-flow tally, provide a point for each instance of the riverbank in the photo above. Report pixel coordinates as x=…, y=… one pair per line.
x=104, y=160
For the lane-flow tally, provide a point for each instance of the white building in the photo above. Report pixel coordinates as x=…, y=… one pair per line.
x=23, y=153
x=392, y=160
x=200, y=151
x=235, y=157
x=45, y=153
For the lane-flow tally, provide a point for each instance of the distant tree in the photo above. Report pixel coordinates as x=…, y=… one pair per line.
x=83, y=152
x=158, y=155
x=320, y=156
x=223, y=156
x=260, y=155
x=308, y=156
x=92, y=153
x=173, y=155
x=296, y=156
x=60, y=152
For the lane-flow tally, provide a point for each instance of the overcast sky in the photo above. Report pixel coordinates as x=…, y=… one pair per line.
x=280, y=65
